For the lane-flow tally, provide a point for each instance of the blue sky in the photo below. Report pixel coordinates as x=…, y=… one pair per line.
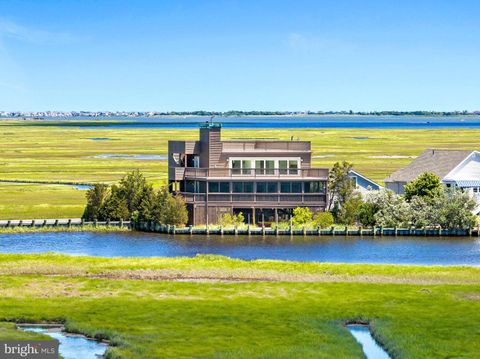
x=244, y=54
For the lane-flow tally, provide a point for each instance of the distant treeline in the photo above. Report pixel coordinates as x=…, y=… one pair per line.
x=288, y=113
x=232, y=113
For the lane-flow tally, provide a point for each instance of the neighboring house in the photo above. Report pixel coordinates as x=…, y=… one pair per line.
x=456, y=169
x=363, y=184
x=263, y=179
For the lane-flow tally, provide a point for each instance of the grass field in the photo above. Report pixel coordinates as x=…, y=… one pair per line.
x=67, y=154
x=212, y=306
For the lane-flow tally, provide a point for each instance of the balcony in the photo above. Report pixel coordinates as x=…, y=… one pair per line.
x=245, y=199
x=265, y=146
x=248, y=174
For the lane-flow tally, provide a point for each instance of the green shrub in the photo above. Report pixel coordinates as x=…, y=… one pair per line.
x=366, y=214
x=323, y=220
x=301, y=216
x=228, y=220
x=426, y=185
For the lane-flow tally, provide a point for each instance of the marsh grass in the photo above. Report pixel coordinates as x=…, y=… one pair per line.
x=66, y=154
x=48, y=229
x=433, y=313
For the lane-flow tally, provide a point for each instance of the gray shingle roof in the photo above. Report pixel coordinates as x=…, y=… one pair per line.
x=440, y=162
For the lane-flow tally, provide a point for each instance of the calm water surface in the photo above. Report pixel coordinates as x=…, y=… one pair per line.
x=419, y=250
x=369, y=346
x=238, y=122
x=72, y=346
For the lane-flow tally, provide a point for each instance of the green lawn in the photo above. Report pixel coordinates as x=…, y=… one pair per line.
x=67, y=154
x=217, y=307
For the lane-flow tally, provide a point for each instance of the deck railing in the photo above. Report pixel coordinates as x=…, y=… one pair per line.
x=275, y=198
x=264, y=173
x=63, y=222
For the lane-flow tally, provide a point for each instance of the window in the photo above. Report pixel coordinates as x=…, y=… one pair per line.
x=246, y=167
x=265, y=167
x=236, y=167
x=285, y=187
x=314, y=187
x=296, y=187
x=267, y=187
x=213, y=187
x=272, y=187
x=293, y=167
x=291, y=187
x=216, y=187
x=195, y=186
x=193, y=161
x=260, y=167
x=248, y=187
x=270, y=167
x=261, y=187
x=190, y=186
x=224, y=187
x=242, y=187
x=237, y=187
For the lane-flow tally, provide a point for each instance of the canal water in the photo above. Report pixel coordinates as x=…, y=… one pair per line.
x=72, y=346
x=267, y=122
x=369, y=346
x=389, y=250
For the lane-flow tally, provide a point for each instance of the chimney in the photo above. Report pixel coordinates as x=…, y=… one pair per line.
x=210, y=144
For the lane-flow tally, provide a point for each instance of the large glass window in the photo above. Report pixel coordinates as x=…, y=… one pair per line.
x=190, y=186
x=224, y=187
x=213, y=187
x=272, y=187
x=270, y=167
x=267, y=187
x=267, y=167
x=293, y=167
x=237, y=187
x=236, y=167
x=291, y=187
x=260, y=167
x=286, y=187
x=216, y=187
x=296, y=187
x=242, y=187
x=261, y=187
x=248, y=187
x=246, y=167
x=195, y=186
x=314, y=187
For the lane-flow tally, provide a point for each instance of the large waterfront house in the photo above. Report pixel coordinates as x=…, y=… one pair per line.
x=263, y=179
x=456, y=169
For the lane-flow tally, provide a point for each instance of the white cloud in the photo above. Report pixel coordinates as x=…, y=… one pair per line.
x=13, y=30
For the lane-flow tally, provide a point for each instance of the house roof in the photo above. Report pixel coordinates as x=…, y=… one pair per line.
x=440, y=162
x=355, y=173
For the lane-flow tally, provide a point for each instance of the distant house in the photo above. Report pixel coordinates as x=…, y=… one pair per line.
x=456, y=169
x=363, y=184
